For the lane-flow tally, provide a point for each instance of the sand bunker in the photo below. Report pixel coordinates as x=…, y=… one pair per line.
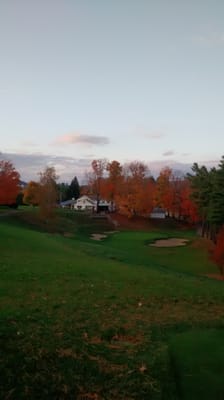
x=111, y=232
x=98, y=236
x=171, y=242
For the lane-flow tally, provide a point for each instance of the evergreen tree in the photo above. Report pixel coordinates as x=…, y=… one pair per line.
x=62, y=190
x=208, y=194
x=216, y=210
x=73, y=190
x=201, y=185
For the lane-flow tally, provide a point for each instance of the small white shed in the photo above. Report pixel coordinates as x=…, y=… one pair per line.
x=158, y=213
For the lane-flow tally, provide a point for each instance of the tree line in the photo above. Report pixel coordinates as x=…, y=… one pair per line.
x=32, y=194
x=136, y=192
x=208, y=195
x=45, y=192
x=197, y=197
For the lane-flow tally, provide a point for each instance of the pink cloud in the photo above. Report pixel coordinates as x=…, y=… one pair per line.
x=81, y=139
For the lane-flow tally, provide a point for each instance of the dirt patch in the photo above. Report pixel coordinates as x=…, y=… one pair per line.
x=68, y=234
x=218, y=277
x=171, y=242
x=203, y=243
x=135, y=223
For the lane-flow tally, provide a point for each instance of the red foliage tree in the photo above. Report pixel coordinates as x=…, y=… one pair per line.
x=9, y=183
x=219, y=250
x=135, y=197
x=114, y=169
x=164, y=193
x=189, y=209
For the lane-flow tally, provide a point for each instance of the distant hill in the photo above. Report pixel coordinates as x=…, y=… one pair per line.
x=29, y=165
x=178, y=167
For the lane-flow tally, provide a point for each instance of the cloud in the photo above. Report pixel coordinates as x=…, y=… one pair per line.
x=156, y=166
x=148, y=133
x=28, y=143
x=81, y=139
x=168, y=153
x=185, y=154
x=29, y=165
x=154, y=135
x=211, y=39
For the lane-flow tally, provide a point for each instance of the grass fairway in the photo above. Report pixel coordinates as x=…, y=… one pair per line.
x=102, y=320
x=198, y=364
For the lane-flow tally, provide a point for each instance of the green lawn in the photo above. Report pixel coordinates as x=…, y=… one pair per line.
x=134, y=248
x=198, y=365
x=103, y=320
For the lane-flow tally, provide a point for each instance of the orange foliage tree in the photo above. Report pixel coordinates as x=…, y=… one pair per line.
x=134, y=192
x=9, y=183
x=189, y=210
x=114, y=180
x=98, y=169
x=31, y=193
x=163, y=194
x=173, y=193
x=135, y=197
x=48, y=192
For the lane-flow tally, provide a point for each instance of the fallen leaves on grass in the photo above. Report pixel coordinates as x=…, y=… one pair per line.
x=67, y=352
x=88, y=396
x=142, y=368
x=95, y=340
x=85, y=335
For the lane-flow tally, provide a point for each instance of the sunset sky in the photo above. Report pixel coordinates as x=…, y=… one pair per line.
x=121, y=79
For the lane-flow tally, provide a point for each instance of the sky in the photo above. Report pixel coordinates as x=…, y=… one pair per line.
x=123, y=80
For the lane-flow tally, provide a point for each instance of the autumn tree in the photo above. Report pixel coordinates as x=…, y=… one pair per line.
x=48, y=192
x=31, y=193
x=9, y=183
x=114, y=180
x=188, y=208
x=98, y=169
x=175, y=191
x=164, y=193
x=135, y=198
x=177, y=199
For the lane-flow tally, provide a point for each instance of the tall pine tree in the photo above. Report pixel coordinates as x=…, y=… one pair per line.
x=216, y=209
x=73, y=190
x=201, y=185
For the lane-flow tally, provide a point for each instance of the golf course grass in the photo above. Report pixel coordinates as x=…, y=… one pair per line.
x=111, y=319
